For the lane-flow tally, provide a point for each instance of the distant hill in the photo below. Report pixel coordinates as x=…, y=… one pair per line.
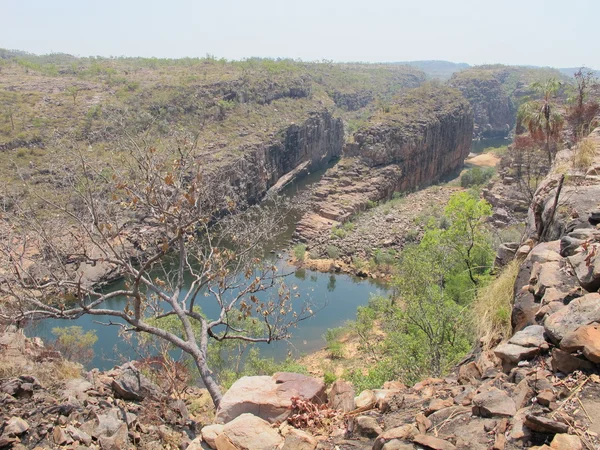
x=569, y=71
x=436, y=69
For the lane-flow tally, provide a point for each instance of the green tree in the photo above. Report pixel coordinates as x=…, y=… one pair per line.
x=8, y=107
x=73, y=91
x=541, y=117
x=465, y=234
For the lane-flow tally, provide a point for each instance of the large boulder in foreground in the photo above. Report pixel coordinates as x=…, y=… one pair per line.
x=248, y=432
x=269, y=397
x=582, y=311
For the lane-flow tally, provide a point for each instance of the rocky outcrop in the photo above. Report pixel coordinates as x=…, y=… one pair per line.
x=310, y=146
x=493, y=110
x=413, y=145
x=494, y=92
x=47, y=402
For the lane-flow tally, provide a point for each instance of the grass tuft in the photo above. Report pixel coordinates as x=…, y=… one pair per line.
x=584, y=154
x=493, y=305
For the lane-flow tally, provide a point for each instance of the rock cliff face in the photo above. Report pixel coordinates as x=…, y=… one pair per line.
x=414, y=144
x=493, y=109
x=297, y=150
x=494, y=92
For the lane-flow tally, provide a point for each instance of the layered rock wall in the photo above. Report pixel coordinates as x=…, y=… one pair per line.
x=308, y=146
x=391, y=156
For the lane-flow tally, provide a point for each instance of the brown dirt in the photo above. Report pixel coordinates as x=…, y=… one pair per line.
x=484, y=160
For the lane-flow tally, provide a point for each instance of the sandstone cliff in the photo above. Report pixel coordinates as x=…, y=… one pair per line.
x=494, y=93
x=425, y=134
x=296, y=151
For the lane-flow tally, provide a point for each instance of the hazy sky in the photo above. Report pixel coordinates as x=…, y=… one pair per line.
x=537, y=32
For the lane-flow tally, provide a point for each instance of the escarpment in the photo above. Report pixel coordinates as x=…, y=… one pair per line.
x=296, y=151
x=425, y=135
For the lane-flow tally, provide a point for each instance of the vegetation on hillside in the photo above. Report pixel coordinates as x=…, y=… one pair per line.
x=425, y=320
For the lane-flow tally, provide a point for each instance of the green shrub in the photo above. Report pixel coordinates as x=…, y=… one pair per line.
x=371, y=204
x=300, y=252
x=384, y=257
x=333, y=252
x=377, y=375
x=329, y=378
x=334, y=346
x=74, y=344
x=338, y=233
x=476, y=176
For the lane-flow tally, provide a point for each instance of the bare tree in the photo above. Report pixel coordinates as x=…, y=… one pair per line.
x=166, y=223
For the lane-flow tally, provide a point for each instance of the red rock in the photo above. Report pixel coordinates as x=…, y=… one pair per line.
x=493, y=403
x=250, y=432
x=585, y=338
x=566, y=442
x=433, y=442
x=268, y=397
x=566, y=363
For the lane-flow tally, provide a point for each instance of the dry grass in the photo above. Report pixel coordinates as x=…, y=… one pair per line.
x=584, y=154
x=493, y=305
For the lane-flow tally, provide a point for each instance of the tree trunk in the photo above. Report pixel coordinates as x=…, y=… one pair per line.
x=207, y=378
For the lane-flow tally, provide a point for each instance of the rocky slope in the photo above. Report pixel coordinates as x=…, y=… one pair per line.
x=425, y=135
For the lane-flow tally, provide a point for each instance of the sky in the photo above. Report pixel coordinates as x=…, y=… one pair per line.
x=525, y=32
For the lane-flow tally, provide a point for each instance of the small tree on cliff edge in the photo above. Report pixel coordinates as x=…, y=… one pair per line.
x=166, y=225
x=542, y=118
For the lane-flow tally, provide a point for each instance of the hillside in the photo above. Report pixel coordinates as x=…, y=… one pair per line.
x=230, y=109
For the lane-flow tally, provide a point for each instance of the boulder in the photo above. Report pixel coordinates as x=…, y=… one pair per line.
x=60, y=436
x=469, y=372
x=367, y=426
x=564, y=441
x=531, y=336
x=586, y=265
x=79, y=435
x=512, y=354
x=550, y=275
x=522, y=394
x=505, y=254
x=581, y=311
x=117, y=441
x=130, y=384
x=248, y=432
x=397, y=444
x=545, y=425
x=210, y=434
x=586, y=339
x=566, y=363
x=493, y=403
x=15, y=426
x=299, y=440
x=223, y=443
x=545, y=252
x=433, y=442
x=365, y=399
x=268, y=397
x=404, y=432
x=341, y=396
x=196, y=444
